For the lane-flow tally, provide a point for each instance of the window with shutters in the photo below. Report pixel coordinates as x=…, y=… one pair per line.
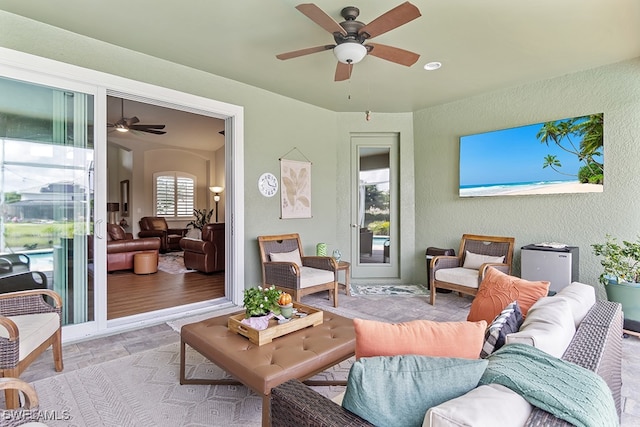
x=174, y=194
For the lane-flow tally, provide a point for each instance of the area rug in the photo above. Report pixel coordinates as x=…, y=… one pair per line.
x=143, y=389
x=172, y=263
x=389, y=289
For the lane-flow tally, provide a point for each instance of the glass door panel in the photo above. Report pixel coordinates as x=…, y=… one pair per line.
x=46, y=190
x=375, y=206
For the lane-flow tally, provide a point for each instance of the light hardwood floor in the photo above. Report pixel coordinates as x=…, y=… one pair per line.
x=129, y=293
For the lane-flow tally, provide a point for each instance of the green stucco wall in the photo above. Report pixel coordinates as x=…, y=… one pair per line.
x=576, y=219
x=432, y=212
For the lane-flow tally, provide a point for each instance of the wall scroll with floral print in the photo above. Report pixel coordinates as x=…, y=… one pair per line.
x=295, y=191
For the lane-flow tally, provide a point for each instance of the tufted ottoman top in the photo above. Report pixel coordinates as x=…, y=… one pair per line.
x=300, y=354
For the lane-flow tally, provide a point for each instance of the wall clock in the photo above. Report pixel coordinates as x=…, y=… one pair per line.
x=268, y=184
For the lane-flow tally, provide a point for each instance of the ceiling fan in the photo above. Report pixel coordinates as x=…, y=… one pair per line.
x=131, y=124
x=350, y=36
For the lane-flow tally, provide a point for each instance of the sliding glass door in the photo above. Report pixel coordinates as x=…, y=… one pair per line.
x=47, y=191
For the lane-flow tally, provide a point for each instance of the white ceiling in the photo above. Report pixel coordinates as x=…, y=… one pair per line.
x=483, y=45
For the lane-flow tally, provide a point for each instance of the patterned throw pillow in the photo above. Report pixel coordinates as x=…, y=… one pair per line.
x=499, y=289
x=507, y=322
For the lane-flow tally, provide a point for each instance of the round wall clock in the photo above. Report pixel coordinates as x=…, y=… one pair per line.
x=268, y=184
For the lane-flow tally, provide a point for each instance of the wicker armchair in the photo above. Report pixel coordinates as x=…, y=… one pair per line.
x=463, y=273
x=25, y=414
x=285, y=266
x=16, y=351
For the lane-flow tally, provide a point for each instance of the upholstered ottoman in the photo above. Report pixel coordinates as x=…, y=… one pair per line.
x=145, y=262
x=300, y=354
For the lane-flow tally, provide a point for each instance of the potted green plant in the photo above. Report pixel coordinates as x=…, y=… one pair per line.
x=261, y=301
x=202, y=217
x=621, y=276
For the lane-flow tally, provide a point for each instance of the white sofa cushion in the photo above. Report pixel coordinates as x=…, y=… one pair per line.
x=458, y=275
x=485, y=406
x=548, y=326
x=580, y=297
x=33, y=329
x=314, y=276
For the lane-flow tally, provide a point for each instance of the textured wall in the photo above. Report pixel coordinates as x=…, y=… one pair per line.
x=576, y=219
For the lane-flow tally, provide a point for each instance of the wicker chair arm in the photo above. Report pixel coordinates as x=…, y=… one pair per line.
x=11, y=328
x=295, y=404
x=282, y=274
x=444, y=261
x=30, y=395
x=30, y=302
x=498, y=266
x=320, y=262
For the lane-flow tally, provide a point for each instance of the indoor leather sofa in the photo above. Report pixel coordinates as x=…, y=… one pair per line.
x=596, y=345
x=121, y=248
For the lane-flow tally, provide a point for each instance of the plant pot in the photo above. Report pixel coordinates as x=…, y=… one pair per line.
x=629, y=296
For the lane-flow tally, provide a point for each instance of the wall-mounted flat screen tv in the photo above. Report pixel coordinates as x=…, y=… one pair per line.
x=561, y=156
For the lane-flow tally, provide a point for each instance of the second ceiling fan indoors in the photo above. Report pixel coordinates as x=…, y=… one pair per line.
x=350, y=36
x=125, y=124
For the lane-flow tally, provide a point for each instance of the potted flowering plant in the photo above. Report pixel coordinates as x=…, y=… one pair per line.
x=260, y=301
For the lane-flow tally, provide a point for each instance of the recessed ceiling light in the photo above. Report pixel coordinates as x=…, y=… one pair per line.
x=430, y=66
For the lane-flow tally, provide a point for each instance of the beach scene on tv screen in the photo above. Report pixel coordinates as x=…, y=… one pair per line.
x=561, y=156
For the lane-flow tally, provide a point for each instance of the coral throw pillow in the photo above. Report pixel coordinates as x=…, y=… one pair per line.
x=498, y=289
x=420, y=337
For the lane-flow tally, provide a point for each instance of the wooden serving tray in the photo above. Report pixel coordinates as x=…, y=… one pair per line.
x=314, y=317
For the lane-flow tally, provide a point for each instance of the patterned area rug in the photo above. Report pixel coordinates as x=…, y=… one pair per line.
x=389, y=289
x=172, y=263
x=143, y=389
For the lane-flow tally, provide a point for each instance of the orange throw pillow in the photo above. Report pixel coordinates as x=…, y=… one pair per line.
x=498, y=289
x=420, y=337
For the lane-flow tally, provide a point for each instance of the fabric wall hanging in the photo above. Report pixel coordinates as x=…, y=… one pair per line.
x=295, y=190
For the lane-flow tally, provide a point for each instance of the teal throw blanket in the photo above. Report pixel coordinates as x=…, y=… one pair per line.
x=564, y=389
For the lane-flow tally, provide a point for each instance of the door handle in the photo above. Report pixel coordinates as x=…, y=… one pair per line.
x=98, y=229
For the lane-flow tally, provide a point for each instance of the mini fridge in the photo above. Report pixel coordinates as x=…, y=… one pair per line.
x=558, y=265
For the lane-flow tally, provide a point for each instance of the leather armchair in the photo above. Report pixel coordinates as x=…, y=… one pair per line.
x=121, y=247
x=153, y=226
x=206, y=255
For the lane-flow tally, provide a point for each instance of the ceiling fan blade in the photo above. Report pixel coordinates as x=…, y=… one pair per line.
x=318, y=16
x=143, y=127
x=155, y=132
x=393, y=54
x=132, y=121
x=394, y=18
x=302, y=52
x=343, y=71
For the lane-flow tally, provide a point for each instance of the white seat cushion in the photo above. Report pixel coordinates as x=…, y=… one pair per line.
x=33, y=329
x=485, y=406
x=459, y=276
x=313, y=276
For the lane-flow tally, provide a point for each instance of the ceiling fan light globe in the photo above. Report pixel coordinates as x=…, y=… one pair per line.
x=121, y=129
x=350, y=52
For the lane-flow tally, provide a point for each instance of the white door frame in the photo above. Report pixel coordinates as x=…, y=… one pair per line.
x=26, y=67
x=391, y=269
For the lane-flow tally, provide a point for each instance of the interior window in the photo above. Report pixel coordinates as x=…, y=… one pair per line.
x=174, y=194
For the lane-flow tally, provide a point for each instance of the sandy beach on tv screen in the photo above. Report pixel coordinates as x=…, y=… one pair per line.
x=559, y=188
